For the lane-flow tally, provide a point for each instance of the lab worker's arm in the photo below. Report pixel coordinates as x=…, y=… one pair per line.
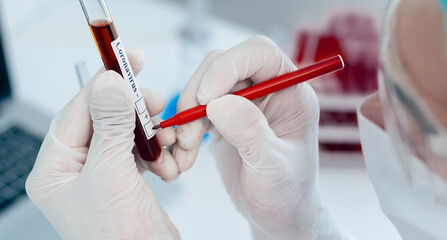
x=86, y=180
x=266, y=150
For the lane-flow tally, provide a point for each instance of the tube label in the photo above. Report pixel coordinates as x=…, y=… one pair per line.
x=132, y=88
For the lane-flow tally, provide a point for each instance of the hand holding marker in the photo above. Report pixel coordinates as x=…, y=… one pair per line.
x=259, y=90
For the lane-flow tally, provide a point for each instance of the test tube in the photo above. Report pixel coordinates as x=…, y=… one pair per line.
x=114, y=58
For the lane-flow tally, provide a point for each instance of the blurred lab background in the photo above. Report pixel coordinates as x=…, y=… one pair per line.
x=44, y=41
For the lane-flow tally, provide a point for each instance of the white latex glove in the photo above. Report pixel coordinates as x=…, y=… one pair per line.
x=266, y=150
x=85, y=179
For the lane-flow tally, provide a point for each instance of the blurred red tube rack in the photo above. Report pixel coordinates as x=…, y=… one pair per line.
x=353, y=35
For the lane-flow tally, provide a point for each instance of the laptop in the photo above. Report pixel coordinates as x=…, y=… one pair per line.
x=20, y=141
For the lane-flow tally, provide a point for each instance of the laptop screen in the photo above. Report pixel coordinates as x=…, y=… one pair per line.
x=5, y=88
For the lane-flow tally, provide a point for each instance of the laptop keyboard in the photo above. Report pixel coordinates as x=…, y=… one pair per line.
x=18, y=151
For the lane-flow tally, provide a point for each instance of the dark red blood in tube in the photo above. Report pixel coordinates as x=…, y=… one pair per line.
x=105, y=33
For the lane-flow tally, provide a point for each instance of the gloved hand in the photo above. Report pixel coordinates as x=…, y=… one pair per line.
x=266, y=150
x=85, y=179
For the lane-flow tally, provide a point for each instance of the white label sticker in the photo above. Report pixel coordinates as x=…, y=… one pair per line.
x=132, y=88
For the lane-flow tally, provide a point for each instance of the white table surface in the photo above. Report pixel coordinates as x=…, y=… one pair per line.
x=47, y=38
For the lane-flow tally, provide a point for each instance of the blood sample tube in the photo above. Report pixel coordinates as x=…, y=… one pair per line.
x=114, y=58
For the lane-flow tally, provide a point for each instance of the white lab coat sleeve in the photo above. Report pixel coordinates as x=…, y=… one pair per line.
x=414, y=215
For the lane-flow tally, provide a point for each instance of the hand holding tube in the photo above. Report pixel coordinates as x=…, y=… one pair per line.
x=86, y=180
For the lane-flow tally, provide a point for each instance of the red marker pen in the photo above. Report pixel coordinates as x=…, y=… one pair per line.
x=262, y=89
x=114, y=58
